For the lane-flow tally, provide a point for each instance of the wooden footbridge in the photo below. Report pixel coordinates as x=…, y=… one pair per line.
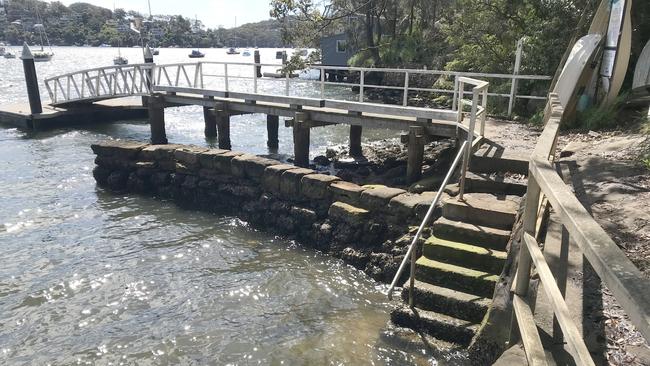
x=227, y=89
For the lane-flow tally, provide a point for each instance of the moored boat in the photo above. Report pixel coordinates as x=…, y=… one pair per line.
x=196, y=54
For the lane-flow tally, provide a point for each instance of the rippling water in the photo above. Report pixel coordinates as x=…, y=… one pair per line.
x=89, y=277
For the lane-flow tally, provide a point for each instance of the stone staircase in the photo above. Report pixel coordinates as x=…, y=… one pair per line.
x=459, y=268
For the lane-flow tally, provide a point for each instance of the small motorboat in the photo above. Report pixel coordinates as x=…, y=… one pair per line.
x=246, y=52
x=232, y=51
x=42, y=56
x=8, y=54
x=196, y=54
x=119, y=60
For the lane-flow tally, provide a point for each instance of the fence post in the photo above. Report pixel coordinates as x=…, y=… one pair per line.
x=255, y=78
x=484, y=115
x=513, y=85
x=286, y=83
x=225, y=74
x=406, y=89
x=454, y=103
x=322, y=82
x=361, y=83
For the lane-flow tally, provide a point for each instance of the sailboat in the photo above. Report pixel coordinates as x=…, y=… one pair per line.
x=119, y=59
x=42, y=55
x=196, y=53
x=154, y=51
x=233, y=50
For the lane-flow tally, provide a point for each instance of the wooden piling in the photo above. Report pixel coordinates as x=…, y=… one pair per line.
x=301, y=127
x=31, y=80
x=355, y=140
x=223, y=128
x=272, y=126
x=156, y=106
x=415, y=154
x=210, y=118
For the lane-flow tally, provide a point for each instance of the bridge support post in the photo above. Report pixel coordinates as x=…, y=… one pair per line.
x=415, y=154
x=156, y=104
x=210, y=118
x=355, y=141
x=272, y=126
x=301, y=126
x=31, y=80
x=148, y=59
x=223, y=127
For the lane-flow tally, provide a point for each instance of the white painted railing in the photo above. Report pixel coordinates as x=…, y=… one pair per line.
x=100, y=83
x=244, y=77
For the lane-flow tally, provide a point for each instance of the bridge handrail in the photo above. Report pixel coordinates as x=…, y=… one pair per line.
x=621, y=276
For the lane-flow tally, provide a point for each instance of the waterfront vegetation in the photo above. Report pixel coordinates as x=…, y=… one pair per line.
x=86, y=24
x=459, y=35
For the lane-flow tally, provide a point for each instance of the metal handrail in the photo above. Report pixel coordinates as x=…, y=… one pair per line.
x=410, y=253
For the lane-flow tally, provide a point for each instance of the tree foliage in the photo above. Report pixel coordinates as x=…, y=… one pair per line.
x=82, y=23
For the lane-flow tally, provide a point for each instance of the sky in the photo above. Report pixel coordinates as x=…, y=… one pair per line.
x=212, y=13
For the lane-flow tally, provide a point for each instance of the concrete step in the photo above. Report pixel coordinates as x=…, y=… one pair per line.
x=487, y=160
x=483, y=209
x=455, y=277
x=438, y=325
x=494, y=183
x=466, y=255
x=483, y=236
x=447, y=301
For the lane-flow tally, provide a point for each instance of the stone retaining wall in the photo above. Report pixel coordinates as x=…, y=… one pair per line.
x=369, y=227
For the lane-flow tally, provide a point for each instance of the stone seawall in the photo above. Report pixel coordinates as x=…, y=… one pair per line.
x=369, y=227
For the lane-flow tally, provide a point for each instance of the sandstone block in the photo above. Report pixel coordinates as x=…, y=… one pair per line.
x=188, y=155
x=159, y=152
x=271, y=177
x=409, y=204
x=304, y=215
x=348, y=214
x=346, y=192
x=315, y=186
x=222, y=161
x=377, y=197
x=250, y=166
x=290, y=182
x=123, y=149
x=206, y=158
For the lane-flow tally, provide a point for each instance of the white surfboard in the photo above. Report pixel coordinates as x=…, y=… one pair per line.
x=642, y=70
x=616, y=55
x=577, y=68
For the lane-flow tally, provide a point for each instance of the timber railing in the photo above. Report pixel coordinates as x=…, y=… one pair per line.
x=624, y=280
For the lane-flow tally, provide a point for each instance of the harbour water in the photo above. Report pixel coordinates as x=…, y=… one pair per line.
x=95, y=278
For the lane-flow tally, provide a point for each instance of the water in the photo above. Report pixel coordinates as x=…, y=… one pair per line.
x=95, y=278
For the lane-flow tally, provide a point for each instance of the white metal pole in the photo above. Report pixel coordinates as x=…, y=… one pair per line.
x=513, y=85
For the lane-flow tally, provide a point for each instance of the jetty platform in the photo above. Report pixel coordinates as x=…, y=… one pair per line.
x=110, y=110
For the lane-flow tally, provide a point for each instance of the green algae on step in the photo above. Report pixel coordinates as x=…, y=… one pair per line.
x=462, y=254
x=483, y=236
x=456, y=277
x=447, y=301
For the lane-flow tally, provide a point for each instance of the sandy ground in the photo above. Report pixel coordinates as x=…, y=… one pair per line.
x=608, y=178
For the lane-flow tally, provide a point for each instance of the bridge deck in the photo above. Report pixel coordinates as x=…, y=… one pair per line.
x=437, y=122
